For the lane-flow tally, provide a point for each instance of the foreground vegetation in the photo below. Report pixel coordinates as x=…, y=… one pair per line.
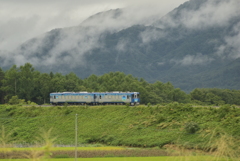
x=191, y=158
x=31, y=85
x=174, y=126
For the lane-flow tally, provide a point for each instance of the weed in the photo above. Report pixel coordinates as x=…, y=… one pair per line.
x=46, y=141
x=191, y=127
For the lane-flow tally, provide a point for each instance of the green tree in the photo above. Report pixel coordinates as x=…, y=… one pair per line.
x=10, y=83
x=197, y=94
x=180, y=96
x=213, y=99
x=58, y=83
x=44, y=82
x=1, y=85
x=26, y=81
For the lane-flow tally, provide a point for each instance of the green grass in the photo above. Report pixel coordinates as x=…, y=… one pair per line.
x=191, y=158
x=138, y=126
x=64, y=148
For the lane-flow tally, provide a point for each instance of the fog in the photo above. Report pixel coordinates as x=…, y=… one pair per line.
x=23, y=20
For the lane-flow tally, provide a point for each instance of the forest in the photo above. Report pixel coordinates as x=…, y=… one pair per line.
x=31, y=85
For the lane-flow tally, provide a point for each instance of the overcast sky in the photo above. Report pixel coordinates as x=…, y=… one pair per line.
x=21, y=20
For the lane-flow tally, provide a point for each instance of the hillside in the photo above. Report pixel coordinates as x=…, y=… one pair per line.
x=194, y=46
x=140, y=126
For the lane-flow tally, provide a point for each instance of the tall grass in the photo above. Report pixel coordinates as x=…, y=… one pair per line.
x=222, y=145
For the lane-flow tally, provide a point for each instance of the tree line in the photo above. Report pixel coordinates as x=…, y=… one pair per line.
x=32, y=85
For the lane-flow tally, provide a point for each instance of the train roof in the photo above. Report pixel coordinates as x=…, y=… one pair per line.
x=84, y=92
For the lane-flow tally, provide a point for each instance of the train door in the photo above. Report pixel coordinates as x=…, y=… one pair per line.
x=96, y=98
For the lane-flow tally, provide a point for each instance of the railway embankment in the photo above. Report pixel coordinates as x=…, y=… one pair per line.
x=173, y=125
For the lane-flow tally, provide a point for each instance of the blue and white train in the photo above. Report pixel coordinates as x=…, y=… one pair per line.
x=95, y=98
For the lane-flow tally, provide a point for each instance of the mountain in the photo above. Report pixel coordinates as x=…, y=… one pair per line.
x=194, y=46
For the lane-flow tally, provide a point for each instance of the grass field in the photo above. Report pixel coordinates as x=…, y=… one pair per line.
x=65, y=148
x=159, y=131
x=188, y=158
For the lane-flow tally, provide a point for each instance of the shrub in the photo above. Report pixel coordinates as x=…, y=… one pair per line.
x=224, y=110
x=14, y=100
x=149, y=104
x=191, y=127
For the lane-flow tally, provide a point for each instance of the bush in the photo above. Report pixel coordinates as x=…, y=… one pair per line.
x=191, y=127
x=14, y=100
x=149, y=104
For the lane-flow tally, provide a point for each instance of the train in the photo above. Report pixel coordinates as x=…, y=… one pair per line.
x=95, y=98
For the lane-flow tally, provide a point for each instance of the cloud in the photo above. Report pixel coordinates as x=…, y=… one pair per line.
x=234, y=41
x=122, y=45
x=25, y=19
x=198, y=59
x=152, y=34
x=231, y=47
x=20, y=21
x=210, y=13
x=198, y=15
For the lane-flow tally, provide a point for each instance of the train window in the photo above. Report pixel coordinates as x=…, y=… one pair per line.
x=127, y=96
x=54, y=97
x=100, y=97
x=137, y=95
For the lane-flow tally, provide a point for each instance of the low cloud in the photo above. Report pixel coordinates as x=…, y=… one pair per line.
x=21, y=21
x=210, y=13
x=152, y=35
x=230, y=48
x=202, y=15
x=198, y=59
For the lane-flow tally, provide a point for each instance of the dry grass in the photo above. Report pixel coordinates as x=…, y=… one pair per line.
x=36, y=155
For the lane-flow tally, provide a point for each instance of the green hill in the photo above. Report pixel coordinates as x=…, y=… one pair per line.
x=140, y=126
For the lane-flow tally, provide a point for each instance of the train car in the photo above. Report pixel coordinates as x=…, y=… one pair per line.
x=95, y=98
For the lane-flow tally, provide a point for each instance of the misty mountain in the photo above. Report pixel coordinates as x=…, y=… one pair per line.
x=194, y=46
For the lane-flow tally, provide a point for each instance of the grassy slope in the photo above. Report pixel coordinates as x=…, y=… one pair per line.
x=121, y=125
x=133, y=159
